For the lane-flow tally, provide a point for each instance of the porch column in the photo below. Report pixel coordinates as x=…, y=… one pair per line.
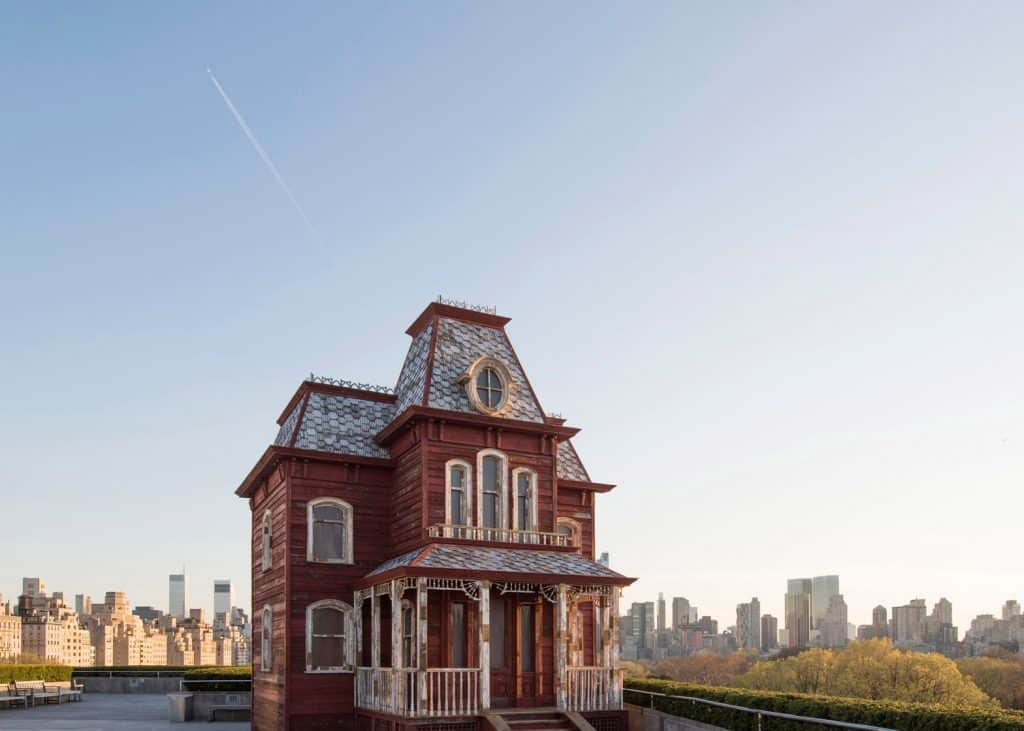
x=613, y=649
x=485, y=645
x=561, y=638
x=397, y=689
x=606, y=633
x=421, y=642
x=357, y=626
x=374, y=628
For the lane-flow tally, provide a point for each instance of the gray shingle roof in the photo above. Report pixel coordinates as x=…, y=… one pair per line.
x=459, y=344
x=343, y=425
x=570, y=467
x=412, y=379
x=284, y=434
x=499, y=560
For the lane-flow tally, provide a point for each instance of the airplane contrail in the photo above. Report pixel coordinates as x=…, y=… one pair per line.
x=262, y=153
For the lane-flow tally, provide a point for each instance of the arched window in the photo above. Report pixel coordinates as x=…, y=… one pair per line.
x=267, y=538
x=267, y=639
x=329, y=531
x=458, y=494
x=570, y=528
x=328, y=634
x=491, y=468
x=524, y=504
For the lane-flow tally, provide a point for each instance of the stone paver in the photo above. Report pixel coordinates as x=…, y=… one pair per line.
x=103, y=712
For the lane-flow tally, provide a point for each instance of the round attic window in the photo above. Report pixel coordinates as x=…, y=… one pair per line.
x=487, y=385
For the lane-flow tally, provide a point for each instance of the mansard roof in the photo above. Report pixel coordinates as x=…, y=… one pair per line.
x=483, y=561
x=343, y=418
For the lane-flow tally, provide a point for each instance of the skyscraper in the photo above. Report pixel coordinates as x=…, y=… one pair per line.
x=33, y=587
x=823, y=588
x=908, y=623
x=748, y=625
x=880, y=622
x=83, y=605
x=661, y=611
x=680, y=612
x=642, y=614
x=1011, y=609
x=178, y=596
x=223, y=600
x=769, y=633
x=798, y=612
x=834, y=632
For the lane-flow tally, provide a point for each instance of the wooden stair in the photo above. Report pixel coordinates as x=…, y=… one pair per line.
x=537, y=719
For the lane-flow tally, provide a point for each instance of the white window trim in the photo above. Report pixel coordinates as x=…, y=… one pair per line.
x=577, y=530
x=531, y=524
x=346, y=508
x=468, y=380
x=502, y=490
x=267, y=540
x=467, y=489
x=267, y=646
x=347, y=650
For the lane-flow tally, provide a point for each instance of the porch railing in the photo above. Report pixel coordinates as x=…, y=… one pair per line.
x=499, y=535
x=448, y=691
x=593, y=689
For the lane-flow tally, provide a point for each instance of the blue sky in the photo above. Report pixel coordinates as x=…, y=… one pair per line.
x=768, y=257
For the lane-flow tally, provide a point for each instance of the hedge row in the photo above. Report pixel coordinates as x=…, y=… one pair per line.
x=34, y=672
x=232, y=673
x=886, y=714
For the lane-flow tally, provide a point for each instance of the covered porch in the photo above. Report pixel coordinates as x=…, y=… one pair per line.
x=431, y=643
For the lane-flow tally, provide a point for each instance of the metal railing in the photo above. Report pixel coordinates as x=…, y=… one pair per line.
x=100, y=673
x=757, y=712
x=186, y=682
x=500, y=535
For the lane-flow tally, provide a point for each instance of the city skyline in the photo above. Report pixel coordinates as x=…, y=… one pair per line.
x=769, y=261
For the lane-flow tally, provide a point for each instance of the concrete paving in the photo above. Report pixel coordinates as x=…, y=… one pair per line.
x=104, y=712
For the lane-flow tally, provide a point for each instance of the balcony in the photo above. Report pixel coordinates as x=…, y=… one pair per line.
x=501, y=535
x=430, y=693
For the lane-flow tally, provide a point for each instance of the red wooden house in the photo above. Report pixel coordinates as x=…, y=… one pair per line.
x=423, y=556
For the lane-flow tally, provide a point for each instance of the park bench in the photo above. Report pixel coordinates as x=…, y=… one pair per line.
x=35, y=691
x=67, y=690
x=10, y=699
x=240, y=712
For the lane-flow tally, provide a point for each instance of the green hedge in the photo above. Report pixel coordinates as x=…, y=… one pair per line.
x=893, y=715
x=34, y=672
x=233, y=673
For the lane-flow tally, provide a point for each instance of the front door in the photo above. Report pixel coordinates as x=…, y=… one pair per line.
x=502, y=653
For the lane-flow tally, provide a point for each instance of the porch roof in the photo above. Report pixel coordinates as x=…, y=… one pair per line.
x=442, y=559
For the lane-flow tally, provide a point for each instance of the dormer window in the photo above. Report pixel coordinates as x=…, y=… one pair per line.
x=487, y=385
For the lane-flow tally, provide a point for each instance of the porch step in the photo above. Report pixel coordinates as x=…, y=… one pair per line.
x=541, y=720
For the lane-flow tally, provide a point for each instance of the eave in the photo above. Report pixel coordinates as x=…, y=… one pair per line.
x=474, y=574
x=414, y=413
x=274, y=454
x=583, y=485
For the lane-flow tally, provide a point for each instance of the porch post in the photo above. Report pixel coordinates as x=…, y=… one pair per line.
x=397, y=691
x=606, y=633
x=613, y=649
x=485, y=645
x=357, y=626
x=421, y=641
x=374, y=627
x=561, y=637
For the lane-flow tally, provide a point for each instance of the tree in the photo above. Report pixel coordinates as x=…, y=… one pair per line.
x=1001, y=675
x=705, y=668
x=632, y=669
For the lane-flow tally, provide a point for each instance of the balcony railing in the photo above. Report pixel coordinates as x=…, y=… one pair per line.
x=500, y=535
x=593, y=689
x=435, y=692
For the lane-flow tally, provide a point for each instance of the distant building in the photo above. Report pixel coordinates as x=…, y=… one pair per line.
x=33, y=587
x=604, y=559
x=748, y=625
x=834, y=631
x=147, y=614
x=879, y=622
x=661, y=612
x=798, y=612
x=823, y=588
x=1011, y=609
x=642, y=614
x=223, y=600
x=908, y=623
x=10, y=633
x=680, y=612
x=769, y=633
x=83, y=605
x=178, y=596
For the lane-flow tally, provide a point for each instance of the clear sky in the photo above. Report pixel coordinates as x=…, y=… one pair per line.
x=768, y=256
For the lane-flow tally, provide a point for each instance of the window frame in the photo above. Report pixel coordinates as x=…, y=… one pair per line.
x=267, y=640
x=347, y=522
x=502, y=523
x=267, y=540
x=468, y=502
x=575, y=527
x=468, y=380
x=347, y=647
x=531, y=523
